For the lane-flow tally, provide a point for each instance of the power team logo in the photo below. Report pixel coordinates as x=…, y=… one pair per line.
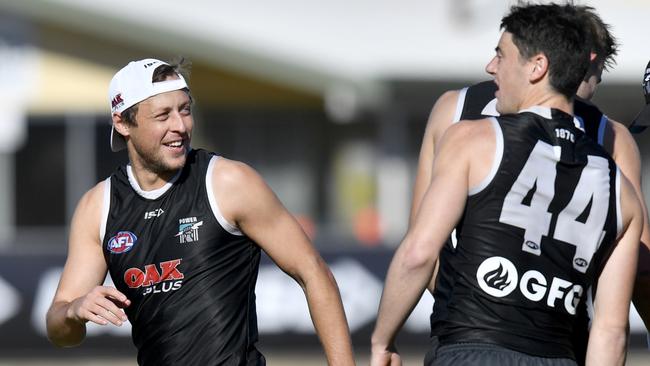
x=122, y=242
x=188, y=230
x=497, y=276
x=169, y=278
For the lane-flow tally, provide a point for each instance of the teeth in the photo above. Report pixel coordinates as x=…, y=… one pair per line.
x=175, y=144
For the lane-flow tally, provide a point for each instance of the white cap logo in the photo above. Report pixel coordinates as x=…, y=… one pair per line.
x=497, y=276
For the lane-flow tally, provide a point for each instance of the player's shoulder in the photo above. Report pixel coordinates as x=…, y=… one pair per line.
x=470, y=140
x=96, y=193
x=447, y=100
x=442, y=114
x=470, y=130
x=618, y=129
x=239, y=190
x=619, y=141
x=91, y=203
x=233, y=174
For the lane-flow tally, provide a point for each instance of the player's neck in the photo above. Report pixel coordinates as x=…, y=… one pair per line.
x=149, y=180
x=547, y=99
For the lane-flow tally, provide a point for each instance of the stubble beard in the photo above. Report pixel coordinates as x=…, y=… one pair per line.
x=155, y=163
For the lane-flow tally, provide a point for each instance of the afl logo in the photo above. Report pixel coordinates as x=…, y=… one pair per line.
x=581, y=262
x=497, y=276
x=532, y=245
x=122, y=242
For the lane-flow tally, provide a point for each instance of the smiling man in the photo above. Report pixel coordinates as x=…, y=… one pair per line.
x=180, y=231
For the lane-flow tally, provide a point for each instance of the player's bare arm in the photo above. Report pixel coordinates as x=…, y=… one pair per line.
x=608, y=335
x=247, y=201
x=442, y=206
x=620, y=143
x=80, y=298
x=439, y=120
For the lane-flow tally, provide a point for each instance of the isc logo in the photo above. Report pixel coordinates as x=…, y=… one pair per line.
x=154, y=213
x=122, y=242
x=151, y=277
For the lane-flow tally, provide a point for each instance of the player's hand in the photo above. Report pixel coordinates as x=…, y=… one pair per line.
x=101, y=305
x=385, y=358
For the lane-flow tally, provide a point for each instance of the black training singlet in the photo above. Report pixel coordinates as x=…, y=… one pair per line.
x=190, y=275
x=533, y=238
x=478, y=101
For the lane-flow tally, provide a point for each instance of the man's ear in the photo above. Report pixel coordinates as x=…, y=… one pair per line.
x=539, y=64
x=120, y=124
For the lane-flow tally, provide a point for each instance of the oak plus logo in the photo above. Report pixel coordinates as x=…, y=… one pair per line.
x=155, y=281
x=497, y=276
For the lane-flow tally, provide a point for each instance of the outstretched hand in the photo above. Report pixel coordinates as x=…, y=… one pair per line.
x=101, y=305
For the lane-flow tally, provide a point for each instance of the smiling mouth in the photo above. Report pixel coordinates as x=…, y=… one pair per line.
x=174, y=144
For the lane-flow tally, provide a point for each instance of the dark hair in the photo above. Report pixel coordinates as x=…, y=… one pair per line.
x=603, y=43
x=557, y=31
x=179, y=66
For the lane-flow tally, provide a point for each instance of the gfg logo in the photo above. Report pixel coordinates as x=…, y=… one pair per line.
x=498, y=277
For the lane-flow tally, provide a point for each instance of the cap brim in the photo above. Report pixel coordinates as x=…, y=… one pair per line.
x=117, y=141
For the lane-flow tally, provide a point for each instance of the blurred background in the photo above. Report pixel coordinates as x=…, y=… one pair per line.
x=326, y=99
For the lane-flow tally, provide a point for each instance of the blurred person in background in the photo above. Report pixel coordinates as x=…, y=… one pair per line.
x=478, y=101
x=180, y=232
x=508, y=302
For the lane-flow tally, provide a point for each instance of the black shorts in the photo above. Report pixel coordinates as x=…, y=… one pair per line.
x=481, y=354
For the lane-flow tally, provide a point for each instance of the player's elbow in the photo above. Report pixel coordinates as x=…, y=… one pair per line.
x=614, y=328
x=313, y=271
x=417, y=254
x=612, y=334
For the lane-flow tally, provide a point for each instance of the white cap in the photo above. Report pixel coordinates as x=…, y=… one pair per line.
x=133, y=84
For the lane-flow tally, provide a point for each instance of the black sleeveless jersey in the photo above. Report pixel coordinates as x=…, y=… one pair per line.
x=478, y=101
x=189, y=274
x=533, y=237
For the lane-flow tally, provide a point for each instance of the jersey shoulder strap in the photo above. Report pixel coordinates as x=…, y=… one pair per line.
x=592, y=119
x=477, y=101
